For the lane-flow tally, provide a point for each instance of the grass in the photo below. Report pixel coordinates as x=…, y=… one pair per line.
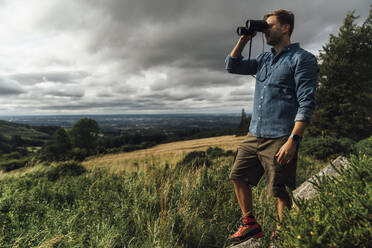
x=339, y=216
x=158, y=202
x=169, y=153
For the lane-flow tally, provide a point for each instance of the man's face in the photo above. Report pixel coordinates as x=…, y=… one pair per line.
x=274, y=35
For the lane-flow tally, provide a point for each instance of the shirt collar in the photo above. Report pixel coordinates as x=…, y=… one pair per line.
x=287, y=48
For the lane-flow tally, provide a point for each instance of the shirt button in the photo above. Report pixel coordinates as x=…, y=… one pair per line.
x=259, y=106
x=259, y=118
x=265, y=87
x=261, y=97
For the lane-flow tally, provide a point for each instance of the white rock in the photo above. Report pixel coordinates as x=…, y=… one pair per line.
x=307, y=190
x=251, y=243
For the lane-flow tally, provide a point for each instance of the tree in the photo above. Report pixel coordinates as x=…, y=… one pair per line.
x=344, y=96
x=59, y=148
x=244, y=123
x=84, y=136
x=62, y=143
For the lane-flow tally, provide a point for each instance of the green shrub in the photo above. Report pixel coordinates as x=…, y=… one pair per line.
x=216, y=152
x=340, y=216
x=364, y=146
x=324, y=148
x=79, y=153
x=63, y=169
x=346, y=146
x=194, y=160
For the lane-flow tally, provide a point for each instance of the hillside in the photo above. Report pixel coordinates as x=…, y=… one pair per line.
x=9, y=129
x=21, y=139
x=169, y=152
x=185, y=204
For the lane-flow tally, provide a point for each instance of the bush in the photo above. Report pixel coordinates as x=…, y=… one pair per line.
x=64, y=169
x=195, y=160
x=324, y=148
x=340, y=216
x=215, y=152
x=364, y=147
x=79, y=153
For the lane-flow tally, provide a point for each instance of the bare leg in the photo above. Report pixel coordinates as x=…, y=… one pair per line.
x=243, y=193
x=283, y=202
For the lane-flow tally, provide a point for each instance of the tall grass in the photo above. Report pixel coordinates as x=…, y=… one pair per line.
x=162, y=205
x=339, y=216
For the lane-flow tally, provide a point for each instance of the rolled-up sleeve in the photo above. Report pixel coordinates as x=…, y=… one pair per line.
x=306, y=74
x=240, y=65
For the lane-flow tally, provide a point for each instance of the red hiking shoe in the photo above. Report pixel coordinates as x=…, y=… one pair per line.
x=249, y=228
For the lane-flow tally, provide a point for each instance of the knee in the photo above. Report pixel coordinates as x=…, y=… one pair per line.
x=235, y=182
x=239, y=183
x=286, y=201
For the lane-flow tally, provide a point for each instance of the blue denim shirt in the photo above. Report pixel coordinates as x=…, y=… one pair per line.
x=285, y=89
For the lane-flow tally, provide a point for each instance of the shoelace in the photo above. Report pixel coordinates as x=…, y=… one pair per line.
x=239, y=224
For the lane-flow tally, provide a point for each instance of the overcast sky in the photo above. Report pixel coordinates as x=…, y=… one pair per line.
x=140, y=56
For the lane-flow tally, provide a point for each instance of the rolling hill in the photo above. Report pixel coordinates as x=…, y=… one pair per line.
x=163, y=153
x=9, y=129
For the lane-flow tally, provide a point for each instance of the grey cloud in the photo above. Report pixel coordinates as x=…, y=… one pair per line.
x=170, y=96
x=247, y=98
x=61, y=76
x=194, y=33
x=105, y=95
x=241, y=92
x=9, y=91
x=186, y=40
x=151, y=33
x=152, y=101
x=198, y=79
x=9, y=87
x=175, y=96
x=61, y=93
x=188, y=34
x=117, y=104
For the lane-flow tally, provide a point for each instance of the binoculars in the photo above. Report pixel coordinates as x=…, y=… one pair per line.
x=252, y=26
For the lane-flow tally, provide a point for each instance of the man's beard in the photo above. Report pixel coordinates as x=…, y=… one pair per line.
x=273, y=40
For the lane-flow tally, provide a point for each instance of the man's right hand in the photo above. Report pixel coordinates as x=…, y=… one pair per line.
x=243, y=40
x=246, y=38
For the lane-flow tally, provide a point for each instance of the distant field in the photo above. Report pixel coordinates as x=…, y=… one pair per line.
x=9, y=129
x=165, y=153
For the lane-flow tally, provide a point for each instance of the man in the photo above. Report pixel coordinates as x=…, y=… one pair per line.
x=286, y=81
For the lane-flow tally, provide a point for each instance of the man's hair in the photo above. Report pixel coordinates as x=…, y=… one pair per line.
x=284, y=17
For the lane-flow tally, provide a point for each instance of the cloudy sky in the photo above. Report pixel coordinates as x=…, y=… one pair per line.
x=140, y=56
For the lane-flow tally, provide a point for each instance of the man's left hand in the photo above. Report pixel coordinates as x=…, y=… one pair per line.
x=286, y=152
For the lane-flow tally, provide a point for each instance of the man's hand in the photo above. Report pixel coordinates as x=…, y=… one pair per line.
x=243, y=40
x=246, y=38
x=286, y=152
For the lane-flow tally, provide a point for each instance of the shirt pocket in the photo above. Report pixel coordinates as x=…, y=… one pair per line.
x=281, y=79
x=282, y=75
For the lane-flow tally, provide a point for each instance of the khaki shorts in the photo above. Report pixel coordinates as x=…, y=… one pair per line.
x=256, y=156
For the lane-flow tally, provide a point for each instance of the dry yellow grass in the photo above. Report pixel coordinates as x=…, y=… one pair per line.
x=169, y=153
